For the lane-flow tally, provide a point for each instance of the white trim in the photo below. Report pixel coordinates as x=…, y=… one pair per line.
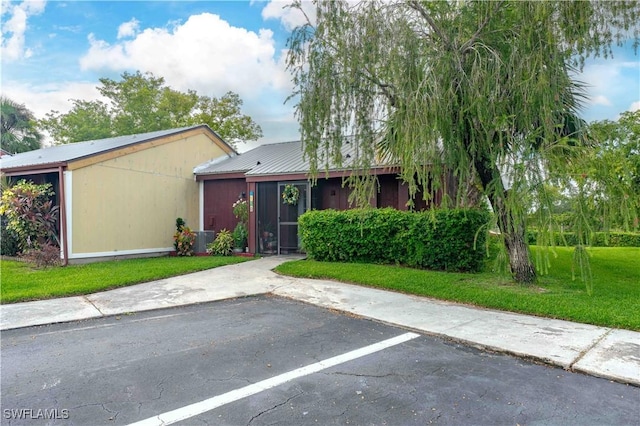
x=201, y=407
x=201, y=205
x=119, y=253
x=68, y=203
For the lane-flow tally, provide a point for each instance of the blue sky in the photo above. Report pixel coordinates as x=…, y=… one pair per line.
x=53, y=51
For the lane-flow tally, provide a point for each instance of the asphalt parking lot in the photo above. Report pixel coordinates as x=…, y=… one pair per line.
x=269, y=360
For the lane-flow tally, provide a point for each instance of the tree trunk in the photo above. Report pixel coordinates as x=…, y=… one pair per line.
x=511, y=226
x=521, y=267
x=514, y=233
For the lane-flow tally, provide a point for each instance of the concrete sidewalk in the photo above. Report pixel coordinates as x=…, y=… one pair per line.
x=599, y=351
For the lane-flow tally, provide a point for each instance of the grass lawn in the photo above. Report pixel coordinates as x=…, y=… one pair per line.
x=20, y=282
x=615, y=301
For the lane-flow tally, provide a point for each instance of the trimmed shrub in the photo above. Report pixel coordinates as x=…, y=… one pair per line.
x=598, y=239
x=450, y=240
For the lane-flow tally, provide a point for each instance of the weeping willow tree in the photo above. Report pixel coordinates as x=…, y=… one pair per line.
x=483, y=89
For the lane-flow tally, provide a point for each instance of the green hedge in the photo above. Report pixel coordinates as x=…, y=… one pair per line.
x=598, y=239
x=439, y=239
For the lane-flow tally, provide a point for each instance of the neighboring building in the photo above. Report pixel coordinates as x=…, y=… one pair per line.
x=121, y=196
x=260, y=176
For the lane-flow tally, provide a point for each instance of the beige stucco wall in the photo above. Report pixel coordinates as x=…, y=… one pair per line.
x=131, y=202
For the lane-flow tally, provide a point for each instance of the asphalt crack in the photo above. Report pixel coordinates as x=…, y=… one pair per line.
x=113, y=417
x=275, y=407
x=340, y=373
x=160, y=386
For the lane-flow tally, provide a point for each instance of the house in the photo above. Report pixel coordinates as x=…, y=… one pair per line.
x=121, y=196
x=261, y=175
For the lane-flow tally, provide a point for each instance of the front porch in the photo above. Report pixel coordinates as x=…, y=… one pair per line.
x=259, y=176
x=273, y=224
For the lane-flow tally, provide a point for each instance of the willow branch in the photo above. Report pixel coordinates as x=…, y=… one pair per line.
x=418, y=8
x=385, y=88
x=467, y=45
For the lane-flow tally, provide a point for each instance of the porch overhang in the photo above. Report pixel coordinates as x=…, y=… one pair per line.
x=31, y=170
x=250, y=177
x=221, y=176
x=342, y=173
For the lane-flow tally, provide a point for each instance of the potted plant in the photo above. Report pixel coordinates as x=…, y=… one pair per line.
x=268, y=241
x=183, y=239
x=241, y=211
x=240, y=235
x=267, y=230
x=222, y=245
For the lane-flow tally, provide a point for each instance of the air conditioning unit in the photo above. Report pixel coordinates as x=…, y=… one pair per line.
x=202, y=239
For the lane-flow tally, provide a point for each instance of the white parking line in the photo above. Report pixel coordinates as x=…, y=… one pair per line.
x=198, y=408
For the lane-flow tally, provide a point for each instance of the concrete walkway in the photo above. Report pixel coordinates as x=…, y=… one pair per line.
x=599, y=351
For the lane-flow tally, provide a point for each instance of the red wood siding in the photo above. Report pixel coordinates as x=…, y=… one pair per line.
x=388, y=192
x=332, y=194
x=219, y=196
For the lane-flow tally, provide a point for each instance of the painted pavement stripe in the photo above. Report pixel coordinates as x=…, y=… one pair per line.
x=198, y=408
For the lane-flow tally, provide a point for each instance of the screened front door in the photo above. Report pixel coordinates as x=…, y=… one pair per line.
x=293, y=201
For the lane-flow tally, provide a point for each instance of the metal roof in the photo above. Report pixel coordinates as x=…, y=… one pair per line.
x=75, y=151
x=273, y=159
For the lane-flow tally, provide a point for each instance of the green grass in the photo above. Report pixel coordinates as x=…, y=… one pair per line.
x=615, y=301
x=20, y=282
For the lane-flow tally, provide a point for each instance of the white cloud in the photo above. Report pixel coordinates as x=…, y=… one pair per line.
x=612, y=86
x=69, y=28
x=41, y=99
x=13, y=47
x=128, y=29
x=600, y=100
x=34, y=7
x=208, y=55
x=290, y=17
x=599, y=77
x=13, y=29
x=205, y=54
x=635, y=106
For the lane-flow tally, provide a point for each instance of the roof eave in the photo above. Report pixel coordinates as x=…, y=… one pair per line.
x=221, y=175
x=33, y=169
x=377, y=169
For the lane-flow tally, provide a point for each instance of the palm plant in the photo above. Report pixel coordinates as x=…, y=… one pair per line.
x=18, y=130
